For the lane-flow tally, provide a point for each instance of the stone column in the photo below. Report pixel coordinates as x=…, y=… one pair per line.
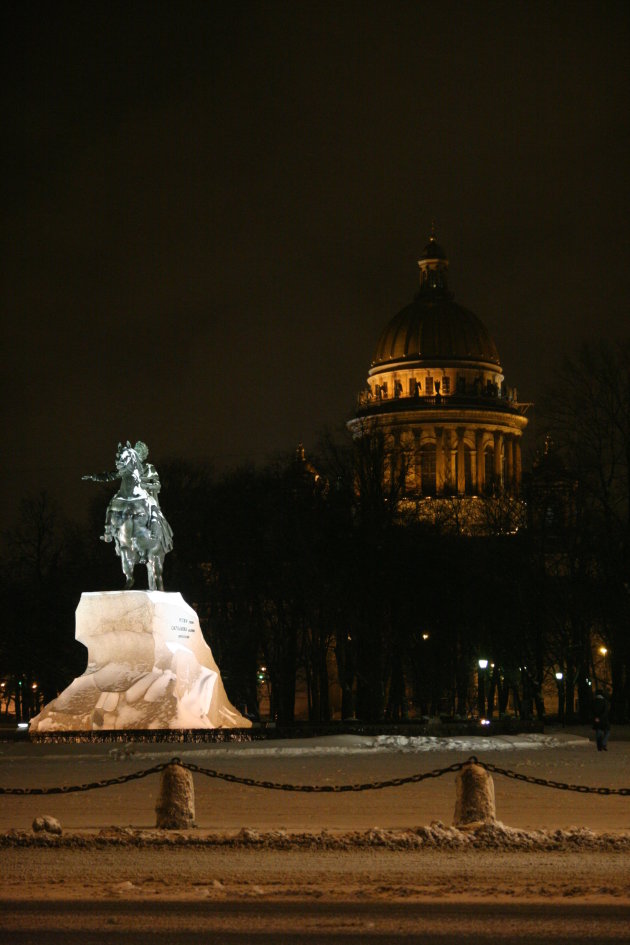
x=417, y=464
x=394, y=457
x=439, y=460
x=480, y=463
x=461, y=461
x=497, y=470
x=518, y=466
x=448, y=459
x=509, y=463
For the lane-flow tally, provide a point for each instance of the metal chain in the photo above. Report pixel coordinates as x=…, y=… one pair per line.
x=235, y=779
x=559, y=785
x=324, y=788
x=319, y=788
x=72, y=789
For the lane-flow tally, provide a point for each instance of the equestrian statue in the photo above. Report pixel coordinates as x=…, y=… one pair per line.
x=134, y=520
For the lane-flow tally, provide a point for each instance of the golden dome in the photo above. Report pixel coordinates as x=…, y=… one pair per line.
x=435, y=330
x=433, y=327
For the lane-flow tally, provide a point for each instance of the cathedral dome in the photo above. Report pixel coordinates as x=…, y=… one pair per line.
x=433, y=327
x=436, y=330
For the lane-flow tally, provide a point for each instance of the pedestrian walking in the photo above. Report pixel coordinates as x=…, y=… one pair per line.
x=601, y=720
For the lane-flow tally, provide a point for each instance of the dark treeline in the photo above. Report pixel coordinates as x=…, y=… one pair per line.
x=315, y=570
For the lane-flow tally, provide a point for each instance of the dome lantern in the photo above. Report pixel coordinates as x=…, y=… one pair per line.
x=433, y=265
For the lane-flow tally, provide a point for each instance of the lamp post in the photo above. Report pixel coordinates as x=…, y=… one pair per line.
x=481, y=687
x=560, y=685
x=604, y=671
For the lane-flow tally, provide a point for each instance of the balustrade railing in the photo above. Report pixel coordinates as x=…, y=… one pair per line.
x=366, y=400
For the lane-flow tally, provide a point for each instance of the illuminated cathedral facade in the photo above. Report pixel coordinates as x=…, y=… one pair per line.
x=437, y=394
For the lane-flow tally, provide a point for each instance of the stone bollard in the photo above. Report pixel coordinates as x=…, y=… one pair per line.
x=474, y=801
x=175, y=806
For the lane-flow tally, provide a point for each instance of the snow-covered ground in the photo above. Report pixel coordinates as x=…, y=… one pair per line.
x=284, y=868
x=370, y=744
x=333, y=760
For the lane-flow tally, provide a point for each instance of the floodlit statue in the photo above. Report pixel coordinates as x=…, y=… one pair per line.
x=134, y=519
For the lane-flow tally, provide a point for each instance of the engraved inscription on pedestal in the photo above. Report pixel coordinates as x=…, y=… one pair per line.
x=184, y=628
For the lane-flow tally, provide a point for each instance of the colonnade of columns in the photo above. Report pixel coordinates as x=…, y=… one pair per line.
x=467, y=460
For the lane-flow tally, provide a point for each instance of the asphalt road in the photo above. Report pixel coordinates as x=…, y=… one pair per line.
x=312, y=923
x=311, y=897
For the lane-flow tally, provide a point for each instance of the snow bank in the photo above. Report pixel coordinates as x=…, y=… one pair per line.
x=367, y=744
x=486, y=836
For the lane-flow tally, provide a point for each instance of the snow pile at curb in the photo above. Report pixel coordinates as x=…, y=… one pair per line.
x=475, y=743
x=364, y=744
x=437, y=835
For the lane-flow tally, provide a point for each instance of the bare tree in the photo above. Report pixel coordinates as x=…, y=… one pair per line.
x=588, y=415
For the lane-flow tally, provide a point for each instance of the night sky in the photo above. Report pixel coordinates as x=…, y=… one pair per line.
x=211, y=210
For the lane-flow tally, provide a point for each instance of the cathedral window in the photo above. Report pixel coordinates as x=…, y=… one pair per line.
x=446, y=385
x=428, y=386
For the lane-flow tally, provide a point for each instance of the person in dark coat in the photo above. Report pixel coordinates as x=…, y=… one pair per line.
x=601, y=720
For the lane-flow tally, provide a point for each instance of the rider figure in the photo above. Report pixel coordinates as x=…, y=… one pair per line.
x=149, y=478
x=134, y=519
x=146, y=477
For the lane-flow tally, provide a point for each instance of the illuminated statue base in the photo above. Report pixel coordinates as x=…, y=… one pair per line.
x=149, y=667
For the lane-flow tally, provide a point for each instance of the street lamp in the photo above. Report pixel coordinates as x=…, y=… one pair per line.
x=481, y=687
x=560, y=685
x=603, y=670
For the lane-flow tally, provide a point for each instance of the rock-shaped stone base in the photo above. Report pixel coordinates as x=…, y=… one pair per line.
x=149, y=667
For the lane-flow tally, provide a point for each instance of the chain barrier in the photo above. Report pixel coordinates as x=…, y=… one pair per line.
x=319, y=788
x=72, y=789
x=325, y=788
x=545, y=782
